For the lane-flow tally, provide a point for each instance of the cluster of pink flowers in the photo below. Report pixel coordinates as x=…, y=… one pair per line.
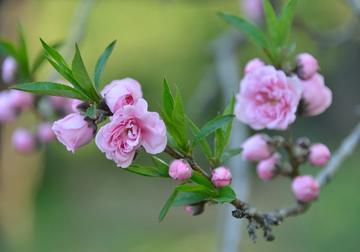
x=271, y=99
x=130, y=127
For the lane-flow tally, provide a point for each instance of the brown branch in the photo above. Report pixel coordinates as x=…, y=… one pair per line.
x=265, y=221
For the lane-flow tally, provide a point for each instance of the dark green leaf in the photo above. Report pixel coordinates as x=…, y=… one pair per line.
x=226, y=194
x=168, y=99
x=211, y=126
x=54, y=54
x=144, y=171
x=193, y=188
x=82, y=77
x=49, y=88
x=178, y=121
x=251, y=30
x=168, y=205
x=188, y=198
x=203, y=143
x=161, y=165
x=199, y=179
x=101, y=63
x=229, y=154
x=23, y=55
x=40, y=58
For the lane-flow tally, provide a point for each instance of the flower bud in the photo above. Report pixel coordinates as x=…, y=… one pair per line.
x=7, y=112
x=256, y=148
x=180, y=169
x=8, y=70
x=307, y=65
x=266, y=168
x=44, y=132
x=253, y=9
x=319, y=154
x=20, y=99
x=74, y=104
x=221, y=176
x=305, y=188
x=316, y=96
x=23, y=141
x=195, y=209
x=74, y=131
x=253, y=64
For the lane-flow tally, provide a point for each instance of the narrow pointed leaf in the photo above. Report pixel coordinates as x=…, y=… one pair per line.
x=199, y=179
x=168, y=99
x=54, y=54
x=229, y=154
x=100, y=64
x=40, y=58
x=8, y=49
x=205, y=147
x=49, y=88
x=167, y=205
x=161, y=166
x=143, y=170
x=23, y=54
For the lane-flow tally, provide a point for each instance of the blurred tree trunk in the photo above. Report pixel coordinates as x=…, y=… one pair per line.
x=19, y=174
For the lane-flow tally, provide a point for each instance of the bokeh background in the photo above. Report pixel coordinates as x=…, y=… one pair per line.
x=54, y=201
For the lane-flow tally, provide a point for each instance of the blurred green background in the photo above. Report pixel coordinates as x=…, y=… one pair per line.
x=83, y=203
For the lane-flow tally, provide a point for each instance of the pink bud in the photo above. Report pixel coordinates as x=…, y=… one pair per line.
x=74, y=104
x=8, y=72
x=253, y=9
x=305, y=188
x=7, y=112
x=195, y=209
x=307, y=65
x=316, y=96
x=256, y=148
x=23, y=141
x=74, y=131
x=189, y=209
x=180, y=170
x=20, y=99
x=221, y=176
x=266, y=168
x=44, y=132
x=253, y=64
x=319, y=154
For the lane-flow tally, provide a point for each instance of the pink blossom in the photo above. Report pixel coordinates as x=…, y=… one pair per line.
x=256, y=148
x=179, y=169
x=74, y=131
x=268, y=99
x=307, y=65
x=319, y=154
x=8, y=70
x=7, y=112
x=20, y=99
x=266, y=168
x=129, y=128
x=23, y=141
x=317, y=97
x=253, y=64
x=221, y=176
x=45, y=133
x=305, y=188
x=123, y=92
x=253, y=9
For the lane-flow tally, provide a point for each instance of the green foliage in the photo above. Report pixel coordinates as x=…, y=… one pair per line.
x=226, y=194
x=100, y=64
x=275, y=42
x=168, y=205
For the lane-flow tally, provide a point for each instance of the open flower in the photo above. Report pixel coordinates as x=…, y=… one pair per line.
x=123, y=92
x=129, y=129
x=268, y=99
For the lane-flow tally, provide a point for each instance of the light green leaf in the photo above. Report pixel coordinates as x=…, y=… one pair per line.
x=8, y=49
x=161, y=165
x=211, y=126
x=199, y=179
x=168, y=205
x=168, y=99
x=143, y=170
x=285, y=21
x=193, y=188
x=82, y=77
x=203, y=143
x=49, y=88
x=91, y=112
x=101, y=63
x=271, y=19
x=229, y=154
x=23, y=59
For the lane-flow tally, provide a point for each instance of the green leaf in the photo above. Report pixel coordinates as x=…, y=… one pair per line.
x=168, y=99
x=161, y=165
x=40, y=58
x=8, y=49
x=199, y=179
x=23, y=55
x=188, y=198
x=91, y=112
x=271, y=22
x=143, y=170
x=285, y=21
x=101, y=63
x=250, y=29
x=211, y=126
x=168, y=205
x=178, y=121
x=82, y=77
x=49, y=88
x=193, y=188
x=54, y=54
x=229, y=154
x=226, y=194
x=203, y=143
